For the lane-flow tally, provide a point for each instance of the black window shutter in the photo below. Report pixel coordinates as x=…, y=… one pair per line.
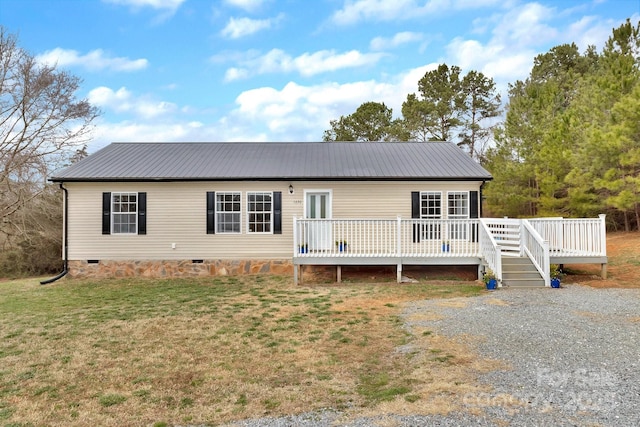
x=142, y=213
x=106, y=213
x=474, y=213
x=211, y=212
x=415, y=213
x=473, y=204
x=277, y=212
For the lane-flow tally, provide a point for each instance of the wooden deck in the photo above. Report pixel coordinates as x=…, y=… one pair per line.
x=481, y=242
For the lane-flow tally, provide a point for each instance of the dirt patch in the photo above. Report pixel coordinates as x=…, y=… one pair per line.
x=623, y=269
x=453, y=303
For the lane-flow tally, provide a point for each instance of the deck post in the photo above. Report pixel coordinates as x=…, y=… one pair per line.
x=295, y=252
x=339, y=273
x=603, y=235
x=399, y=237
x=603, y=242
x=399, y=273
x=295, y=236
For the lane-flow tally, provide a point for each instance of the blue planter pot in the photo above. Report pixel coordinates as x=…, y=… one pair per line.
x=555, y=283
x=342, y=247
x=492, y=284
x=303, y=249
x=445, y=247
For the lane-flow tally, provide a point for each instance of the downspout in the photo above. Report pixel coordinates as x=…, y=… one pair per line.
x=480, y=199
x=65, y=269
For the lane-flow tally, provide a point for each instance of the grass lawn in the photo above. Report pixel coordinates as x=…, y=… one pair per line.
x=207, y=351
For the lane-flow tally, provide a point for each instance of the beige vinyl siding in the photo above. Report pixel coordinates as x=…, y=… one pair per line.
x=176, y=214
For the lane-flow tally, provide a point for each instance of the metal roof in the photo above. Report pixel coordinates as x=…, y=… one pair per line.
x=184, y=161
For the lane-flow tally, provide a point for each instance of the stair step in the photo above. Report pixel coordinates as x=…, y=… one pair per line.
x=519, y=268
x=531, y=275
x=516, y=260
x=523, y=283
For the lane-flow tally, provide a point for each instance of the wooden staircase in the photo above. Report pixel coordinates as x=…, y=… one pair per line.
x=519, y=272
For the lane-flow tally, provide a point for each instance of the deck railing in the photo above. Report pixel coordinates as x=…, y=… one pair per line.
x=491, y=250
x=439, y=238
x=386, y=238
x=537, y=249
x=573, y=237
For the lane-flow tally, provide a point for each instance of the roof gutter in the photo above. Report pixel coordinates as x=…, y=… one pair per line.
x=65, y=269
x=283, y=178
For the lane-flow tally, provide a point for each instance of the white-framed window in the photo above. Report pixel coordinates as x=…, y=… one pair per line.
x=259, y=212
x=431, y=205
x=124, y=213
x=458, y=204
x=228, y=212
x=458, y=208
x=431, y=208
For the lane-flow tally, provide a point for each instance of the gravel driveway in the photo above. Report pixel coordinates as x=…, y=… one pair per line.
x=574, y=354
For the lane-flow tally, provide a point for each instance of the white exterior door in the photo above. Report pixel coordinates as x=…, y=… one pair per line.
x=318, y=207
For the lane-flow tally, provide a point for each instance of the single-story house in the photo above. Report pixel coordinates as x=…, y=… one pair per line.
x=172, y=209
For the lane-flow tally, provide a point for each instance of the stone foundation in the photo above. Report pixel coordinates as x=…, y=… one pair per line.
x=186, y=268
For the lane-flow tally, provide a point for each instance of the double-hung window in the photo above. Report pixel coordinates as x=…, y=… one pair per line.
x=458, y=208
x=260, y=212
x=228, y=212
x=431, y=208
x=458, y=204
x=124, y=213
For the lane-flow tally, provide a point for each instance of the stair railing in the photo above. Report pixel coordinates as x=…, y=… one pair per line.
x=490, y=250
x=537, y=249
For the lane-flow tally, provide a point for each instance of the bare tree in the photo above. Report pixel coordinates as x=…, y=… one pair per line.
x=42, y=124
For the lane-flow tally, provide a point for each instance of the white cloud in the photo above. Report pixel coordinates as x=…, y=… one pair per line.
x=515, y=40
x=526, y=26
x=126, y=131
x=591, y=30
x=248, y=5
x=122, y=101
x=382, y=43
x=293, y=113
x=304, y=112
x=354, y=11
x=233, y=74
x=95, y=60
x=307, y=64
x=379, y=10
x=518, y=36
x=171, y=5
x=241, y=27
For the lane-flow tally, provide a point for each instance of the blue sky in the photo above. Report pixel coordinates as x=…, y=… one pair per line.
x=280, y=70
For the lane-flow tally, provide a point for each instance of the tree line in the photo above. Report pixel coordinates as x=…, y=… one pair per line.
x=566, y=144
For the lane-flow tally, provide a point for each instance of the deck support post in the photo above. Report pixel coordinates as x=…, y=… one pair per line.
x=296, y=269
x=339, y=273
x=603, y=271
x=399, y=273
x=480, y=270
